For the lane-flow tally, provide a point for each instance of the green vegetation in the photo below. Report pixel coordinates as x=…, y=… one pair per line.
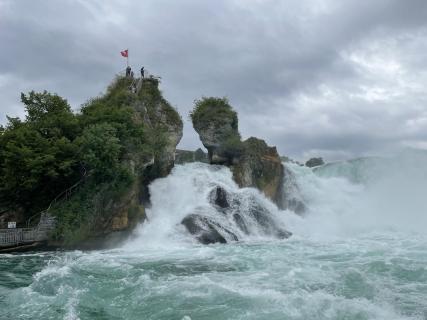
x=232, y=147
x=211, y=110
x=101, y=148
x=152, y=97
x=38, y=156
x=88, y=208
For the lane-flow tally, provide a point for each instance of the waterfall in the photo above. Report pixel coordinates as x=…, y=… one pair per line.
x=190, y=197
x=201, y=203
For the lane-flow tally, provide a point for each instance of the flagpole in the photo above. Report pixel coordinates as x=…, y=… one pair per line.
x=127, y=58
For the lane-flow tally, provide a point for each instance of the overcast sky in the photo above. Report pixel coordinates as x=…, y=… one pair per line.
x=335, y=78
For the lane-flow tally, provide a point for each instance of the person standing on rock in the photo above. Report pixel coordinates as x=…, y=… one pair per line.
x=128, y=71
x=142, y=72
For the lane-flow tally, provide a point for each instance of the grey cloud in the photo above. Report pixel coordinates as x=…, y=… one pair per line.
x=275, y=60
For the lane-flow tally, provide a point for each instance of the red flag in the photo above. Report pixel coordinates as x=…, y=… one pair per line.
x=124, y=53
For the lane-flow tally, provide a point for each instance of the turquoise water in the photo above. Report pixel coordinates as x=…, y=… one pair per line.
x=360, y=252
x=371, y=277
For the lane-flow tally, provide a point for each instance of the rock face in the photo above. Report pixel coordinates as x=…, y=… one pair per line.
x=314, y=162
x=163, y=120
x=235, y=217
x=116, y=211
x=217, y=125
x=124, y=213
x=253, y=162
x=165, y=127
x=186, y=156
x=204, y=229
x=291, y=197
x=260, y=167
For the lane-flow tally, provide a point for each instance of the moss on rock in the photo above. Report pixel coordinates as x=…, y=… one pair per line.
x=217, y=125
x=253, y=162
x=146, y=129
x=260, y=167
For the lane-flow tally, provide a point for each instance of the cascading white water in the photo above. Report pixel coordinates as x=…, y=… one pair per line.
x=341, y=199
x=365, y=195
x=358, y=252
x=187, y=190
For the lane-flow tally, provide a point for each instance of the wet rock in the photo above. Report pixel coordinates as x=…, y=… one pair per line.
x=266, y=222
x=291, y=197
x=283, y=234
x=314, y=162
x=205, y=230
x=260, y=167
x=240, y=222
x=219, y=198
x=253, y=162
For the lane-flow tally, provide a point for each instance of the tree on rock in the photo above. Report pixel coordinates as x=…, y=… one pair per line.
x=38, y=158
x=253, y=162
x=217, y=125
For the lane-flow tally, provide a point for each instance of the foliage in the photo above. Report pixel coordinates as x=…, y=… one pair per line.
x=200, y=155
x=99, y=149
x=102, y=146
x=37, y=156
x=210, y=110
x=81, y=216
x=232, y=147
x=152, y=97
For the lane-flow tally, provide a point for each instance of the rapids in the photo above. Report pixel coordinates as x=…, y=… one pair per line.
x=358, y=252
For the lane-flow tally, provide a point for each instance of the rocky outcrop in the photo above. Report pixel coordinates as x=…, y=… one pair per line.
x=314, y=162
x=259, y=166
x=162, y=122
x=125, y=213
x=235, y=217
x=164, y=127
x=204, y=229
x=114, y=207
x=217, y=125
x=186, y=156
x=253, y=162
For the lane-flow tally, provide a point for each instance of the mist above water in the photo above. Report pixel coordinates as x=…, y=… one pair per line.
x=358, y=252
x=343, y=199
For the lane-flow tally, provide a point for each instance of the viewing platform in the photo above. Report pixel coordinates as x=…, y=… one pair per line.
x=13, y=239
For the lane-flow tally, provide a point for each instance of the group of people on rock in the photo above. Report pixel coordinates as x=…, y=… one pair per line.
x=129, y=72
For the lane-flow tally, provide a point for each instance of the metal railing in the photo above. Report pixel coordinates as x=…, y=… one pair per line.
x=22, y=236
x=63, y=196
x=12, y=237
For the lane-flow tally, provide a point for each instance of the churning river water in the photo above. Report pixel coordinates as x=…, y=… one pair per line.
x=359, y=252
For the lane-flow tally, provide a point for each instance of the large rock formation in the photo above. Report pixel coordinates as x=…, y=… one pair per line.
x=187, y=156
x=235, y=216
x=259, y=166
x=314, y=162
x=165, y=127
x=253, y=162
x=217, y=125
x=115, y=210
x=164, y=122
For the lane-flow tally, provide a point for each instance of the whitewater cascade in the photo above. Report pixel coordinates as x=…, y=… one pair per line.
x=343, y=198
x=190, y=192
x=365, y=195
x=357, y=252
